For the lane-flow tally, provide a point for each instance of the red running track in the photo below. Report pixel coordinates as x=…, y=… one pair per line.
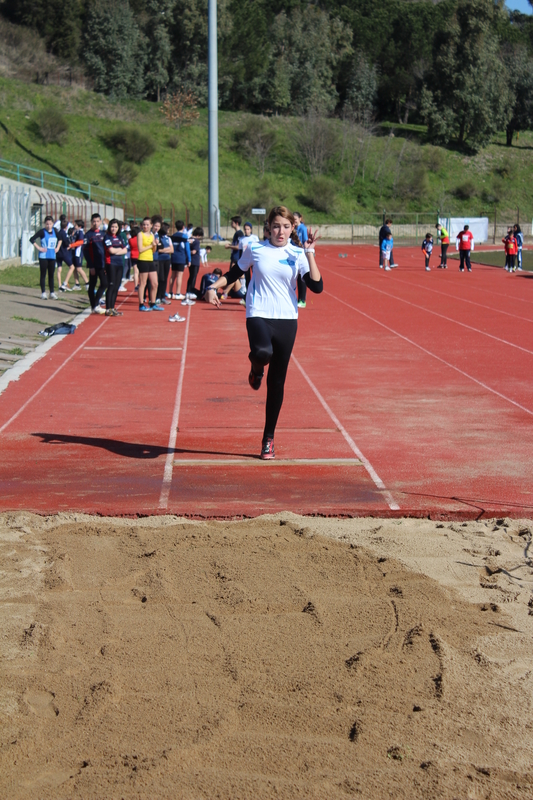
x=410, y=393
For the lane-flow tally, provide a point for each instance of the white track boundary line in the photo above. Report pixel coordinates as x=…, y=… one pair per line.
x=52, y=376
x=22, y=366
x=462, y=299
x=435, y=313
x=43, y=349
x=350, y=442
x=169, y=463
x=429, y=353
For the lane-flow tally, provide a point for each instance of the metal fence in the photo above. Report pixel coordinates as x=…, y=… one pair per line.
x=61, y=183
x=15, y=220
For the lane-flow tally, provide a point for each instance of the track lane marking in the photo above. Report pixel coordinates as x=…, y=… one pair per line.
x=429, y=353
x=350, y=442
x=169, y=463
x=428, y=311
x=462, y=299
x=52, y=376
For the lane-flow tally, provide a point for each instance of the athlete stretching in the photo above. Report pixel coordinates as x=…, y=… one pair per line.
x=272, y=306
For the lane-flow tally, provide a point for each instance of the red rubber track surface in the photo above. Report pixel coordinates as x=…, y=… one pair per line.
x=411, y=393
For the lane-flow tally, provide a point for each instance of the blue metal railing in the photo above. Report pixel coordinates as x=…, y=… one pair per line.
x=60, y=183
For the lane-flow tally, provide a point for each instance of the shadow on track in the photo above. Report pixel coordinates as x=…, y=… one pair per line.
x=131, y=449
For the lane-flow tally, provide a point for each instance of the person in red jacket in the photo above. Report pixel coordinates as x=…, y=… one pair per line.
x=465, y=243
x=511, y=249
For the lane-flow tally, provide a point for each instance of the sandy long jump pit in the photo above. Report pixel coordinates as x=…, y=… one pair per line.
x=283, y=657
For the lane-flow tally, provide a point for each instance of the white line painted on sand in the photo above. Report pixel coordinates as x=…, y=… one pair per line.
x=169, y=463
x=351, y=444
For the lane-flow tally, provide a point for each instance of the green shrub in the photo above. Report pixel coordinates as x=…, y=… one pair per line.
x=50, y=124
x=466, y=190
x=125, y=171
x=434, y=158
x=321, y=194
x=132, y=143
x=414, y=182
x=172, y=142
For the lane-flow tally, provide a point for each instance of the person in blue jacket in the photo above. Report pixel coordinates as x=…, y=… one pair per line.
x=179, y=259
x=47, y=243
x=301, y=231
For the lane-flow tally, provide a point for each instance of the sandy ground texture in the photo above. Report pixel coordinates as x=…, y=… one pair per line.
x=281, y=657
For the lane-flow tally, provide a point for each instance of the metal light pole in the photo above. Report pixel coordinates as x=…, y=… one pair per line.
x=214, y=212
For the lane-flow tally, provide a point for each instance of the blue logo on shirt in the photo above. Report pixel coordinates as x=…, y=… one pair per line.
x=290, y=262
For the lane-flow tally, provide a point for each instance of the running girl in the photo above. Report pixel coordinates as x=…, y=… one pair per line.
x=427, y=247
x=272, y=307
x=47, y=247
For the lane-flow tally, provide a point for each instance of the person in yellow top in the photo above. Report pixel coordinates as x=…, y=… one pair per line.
x=146, y=265
x=444, y=238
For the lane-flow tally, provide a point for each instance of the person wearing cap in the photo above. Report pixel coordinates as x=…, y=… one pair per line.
x=444, y=238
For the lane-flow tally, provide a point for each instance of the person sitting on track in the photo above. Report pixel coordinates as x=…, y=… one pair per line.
x=272, y=307
x=205, y=284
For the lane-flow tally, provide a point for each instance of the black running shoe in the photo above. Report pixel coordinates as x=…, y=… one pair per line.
x=255, y=380
x=267, y=450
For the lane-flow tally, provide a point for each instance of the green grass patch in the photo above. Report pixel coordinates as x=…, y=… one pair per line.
x=30, y=319
x=16, y=351
x=20, y=276
x=496, y=258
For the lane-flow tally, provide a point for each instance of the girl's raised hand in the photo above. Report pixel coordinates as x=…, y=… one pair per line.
x=311, y=238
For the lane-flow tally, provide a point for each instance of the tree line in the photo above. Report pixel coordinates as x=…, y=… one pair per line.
x=462, y=67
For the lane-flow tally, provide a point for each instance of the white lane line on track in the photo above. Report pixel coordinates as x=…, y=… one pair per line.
x=434, y=313
x=52, y=376
x=350, y=442
x=429, y=353
x=462, y=299
x=169, y=463
x=134, y=348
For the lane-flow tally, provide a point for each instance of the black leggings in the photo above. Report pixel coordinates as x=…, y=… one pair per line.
x=47, y=265
x=99, y=275
x=302, y=290
x=193, y=274
x=464, y=256
x=114, y=278
x=163, y=268
x=444, y=254
x=271, y=342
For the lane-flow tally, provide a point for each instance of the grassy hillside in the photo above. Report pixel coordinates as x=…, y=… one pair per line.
x=397, y=169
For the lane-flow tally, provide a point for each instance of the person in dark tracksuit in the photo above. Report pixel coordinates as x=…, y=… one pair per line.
x=94, y=252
